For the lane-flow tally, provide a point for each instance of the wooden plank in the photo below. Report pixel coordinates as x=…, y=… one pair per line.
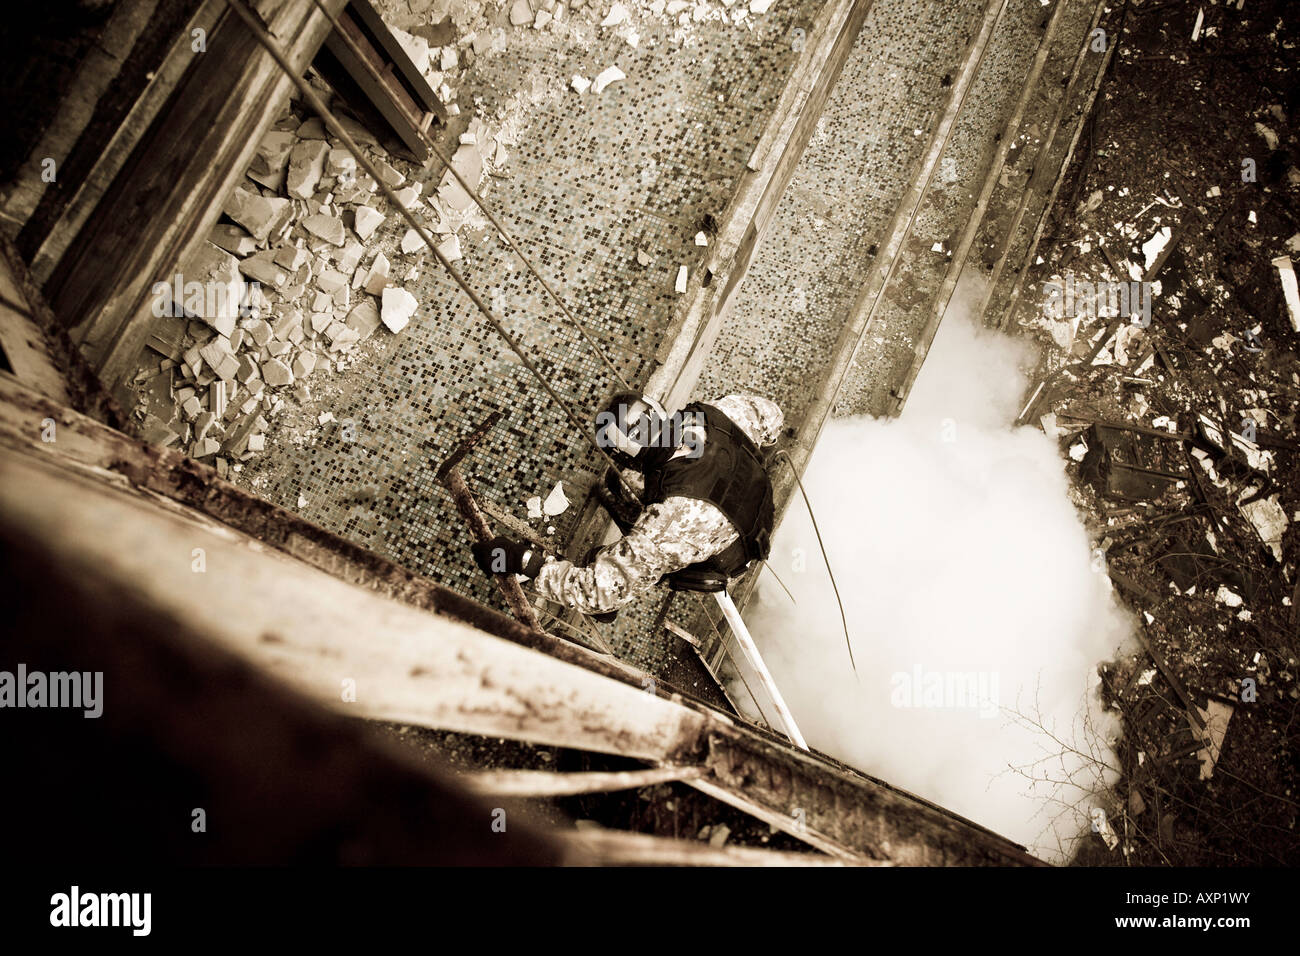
x=339, y=644
x=380, y=95
x=619, y=848
x=413, y=81
x=544, y=783
x=24, y=344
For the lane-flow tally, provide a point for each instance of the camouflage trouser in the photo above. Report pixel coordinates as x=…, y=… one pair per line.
x=666, y=537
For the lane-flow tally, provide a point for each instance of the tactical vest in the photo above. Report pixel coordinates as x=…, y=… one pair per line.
x=728, y=474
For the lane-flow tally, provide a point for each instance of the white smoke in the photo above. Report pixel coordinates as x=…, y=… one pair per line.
x=959, y=557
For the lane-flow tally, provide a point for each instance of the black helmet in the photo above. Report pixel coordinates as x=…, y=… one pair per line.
x=634, y=429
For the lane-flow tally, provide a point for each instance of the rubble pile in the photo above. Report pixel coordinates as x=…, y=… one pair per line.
x=292, y=280
x=1173, y=384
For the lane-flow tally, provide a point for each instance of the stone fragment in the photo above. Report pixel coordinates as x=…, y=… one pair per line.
x=580, y=83
x=257, y=442
x=247, y=369
x=286, y=323
x=303, y=364
x=329, y=228
x=450, y=248
x=377, y=277
x=680, y=285
x=618, y=14
x=276, y=373
x=330, y=281
x=261, y=268
x=291, y=258
x=313, y=128
x=306, y=166
x=605, y=77
x=390, y=175
x=367, y=221
x=267, y=167
x=364, y=318
x=233, y=239
x=217, y=398
x=276, y=349
x=409, y=196
x=320, y=321
x=340, y=162
x=411, y=241
x=520, y=13
x=398, y=307
x=258, y=214
x=349, y=257
x=204, y=447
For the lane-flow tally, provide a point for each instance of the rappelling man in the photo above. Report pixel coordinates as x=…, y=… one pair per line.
x=705, y=509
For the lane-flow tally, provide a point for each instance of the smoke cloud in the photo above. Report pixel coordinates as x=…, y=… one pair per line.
x=971, y=596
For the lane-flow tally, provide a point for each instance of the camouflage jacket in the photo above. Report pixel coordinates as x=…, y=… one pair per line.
x=667, y=537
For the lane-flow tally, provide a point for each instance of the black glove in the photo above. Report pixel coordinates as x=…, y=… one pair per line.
x=508, y=556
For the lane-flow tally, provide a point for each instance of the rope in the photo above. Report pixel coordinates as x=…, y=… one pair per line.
x=848, y=643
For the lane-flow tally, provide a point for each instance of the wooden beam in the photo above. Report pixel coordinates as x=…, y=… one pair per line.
x=618, y=848
x=24, y=343
x=544, y=783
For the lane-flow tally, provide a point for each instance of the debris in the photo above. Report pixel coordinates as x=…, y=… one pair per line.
x=329, y=228
x=377, y=278
x=618, y=14
x=580, y=83
x=258, y=214
x=367, y=221
x=680, y=284
x=521, y=13
x=605, y=77
x=701, y=239
x=398, y=307
x=411, y=241
x=556, y=503
x=1286, y=273
x=306, y=166
x=1152, y=248
x=534, y=505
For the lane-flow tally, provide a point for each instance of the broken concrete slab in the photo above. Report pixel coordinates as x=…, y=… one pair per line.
x=258, y=214
x=306, y=167
x=605, y=77
x=276, y=373
x=367, y=221
x=327, y=227
x=364, y=318
x=398, y=307
x=303, y=364
x=268, y=165
x=232, y=239
x=377, y=278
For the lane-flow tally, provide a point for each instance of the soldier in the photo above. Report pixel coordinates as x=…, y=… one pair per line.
x=707, y=512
